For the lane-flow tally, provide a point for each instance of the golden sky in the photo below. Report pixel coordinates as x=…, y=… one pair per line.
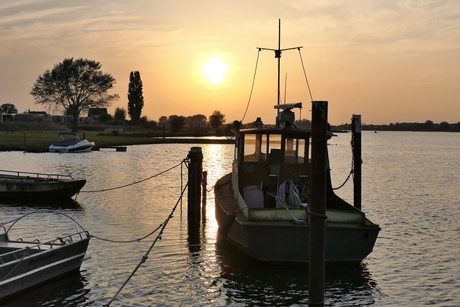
x=390, y=61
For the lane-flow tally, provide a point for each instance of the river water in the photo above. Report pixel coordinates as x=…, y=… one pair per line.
x=410, y=188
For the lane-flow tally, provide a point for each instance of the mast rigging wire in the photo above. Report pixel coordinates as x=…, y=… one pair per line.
x=252, y=87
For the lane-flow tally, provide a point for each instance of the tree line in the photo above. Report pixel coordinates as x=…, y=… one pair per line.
x=76, y=85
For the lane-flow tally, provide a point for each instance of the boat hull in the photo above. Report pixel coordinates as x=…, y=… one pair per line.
x=288, y=241
x=41, y=266
x=74, y=148
x=29, y=188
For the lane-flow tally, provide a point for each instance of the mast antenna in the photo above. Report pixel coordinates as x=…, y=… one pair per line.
x=278, y=56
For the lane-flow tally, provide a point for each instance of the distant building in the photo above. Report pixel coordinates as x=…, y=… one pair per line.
x=30, y=116
x=6, y=117
x=97, y=113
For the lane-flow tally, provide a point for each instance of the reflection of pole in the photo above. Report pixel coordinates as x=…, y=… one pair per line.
x=318, y=181
x=357, y=160
x=204, y=185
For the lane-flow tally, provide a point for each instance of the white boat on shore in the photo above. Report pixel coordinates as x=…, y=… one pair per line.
x=71, y=144
x=26, y=264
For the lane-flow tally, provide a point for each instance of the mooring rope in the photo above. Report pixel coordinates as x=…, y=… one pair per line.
x=136, y=182
x=162, y=228
x=352, y=170
x=144, y=258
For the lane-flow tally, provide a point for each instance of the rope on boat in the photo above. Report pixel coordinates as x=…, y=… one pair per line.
x=136, y=182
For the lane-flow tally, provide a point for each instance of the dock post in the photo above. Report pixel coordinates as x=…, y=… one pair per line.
x=318, y=217
x=194, y=194
x=357, y=160
x=194, y=180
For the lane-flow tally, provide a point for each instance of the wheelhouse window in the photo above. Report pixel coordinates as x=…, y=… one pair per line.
x=255, y=147
x=294, y=150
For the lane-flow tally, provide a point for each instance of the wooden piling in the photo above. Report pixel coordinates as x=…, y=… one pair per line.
x=195, y=170
x=194, y=196
x=318, y=205
x=357, y=160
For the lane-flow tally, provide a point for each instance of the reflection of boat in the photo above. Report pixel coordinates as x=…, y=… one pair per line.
x=71, y=144
x=16, y=185
x=262, y=206
x=24, y=264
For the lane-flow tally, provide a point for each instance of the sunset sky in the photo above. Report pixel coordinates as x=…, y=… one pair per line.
x=390, y=61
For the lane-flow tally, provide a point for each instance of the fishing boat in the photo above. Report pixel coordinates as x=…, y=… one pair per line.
x=16, y=185
x=71, y=143
x=263, y=205
x=28, y=263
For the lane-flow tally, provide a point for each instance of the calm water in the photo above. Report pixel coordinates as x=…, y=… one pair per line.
x=410, y=188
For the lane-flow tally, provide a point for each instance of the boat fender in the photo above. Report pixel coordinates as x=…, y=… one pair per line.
x=225, y=227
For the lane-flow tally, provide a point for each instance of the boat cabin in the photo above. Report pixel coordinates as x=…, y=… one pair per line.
x=268, y=157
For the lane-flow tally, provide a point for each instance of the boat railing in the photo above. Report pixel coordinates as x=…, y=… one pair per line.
x=21, y=249
x=34, y=175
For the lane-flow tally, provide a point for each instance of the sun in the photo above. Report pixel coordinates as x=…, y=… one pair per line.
x=215, y=70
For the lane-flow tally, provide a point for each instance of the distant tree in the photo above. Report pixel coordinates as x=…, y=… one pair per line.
x=197, y=119
x=75, y=86
x=163, y=119
x=429, y=125
x=8, y=108
x=444, y=126
x=216, y=119
x=135, y=96
x=120, y=114
x=176, y=123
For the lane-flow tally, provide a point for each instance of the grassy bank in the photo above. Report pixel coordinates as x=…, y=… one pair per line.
x=37, y=137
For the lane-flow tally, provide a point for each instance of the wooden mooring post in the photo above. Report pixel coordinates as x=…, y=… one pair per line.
x=316, y=267
x=195, y=170
x=357, y=160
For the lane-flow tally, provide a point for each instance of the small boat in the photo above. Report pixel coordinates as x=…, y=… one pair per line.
x=71, y=144
x=15, y=185
x=262, y=205
x=26, y=264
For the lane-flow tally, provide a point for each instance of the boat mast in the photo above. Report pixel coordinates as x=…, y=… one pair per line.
x=278, y=56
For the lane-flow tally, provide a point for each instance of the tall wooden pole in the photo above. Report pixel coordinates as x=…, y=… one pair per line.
x=194, y=195
x=357, y=160
x=318, y=182
x=194, y=180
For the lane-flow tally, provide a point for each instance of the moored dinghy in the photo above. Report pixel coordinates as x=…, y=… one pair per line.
x=25, y=264
x=16, y=185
